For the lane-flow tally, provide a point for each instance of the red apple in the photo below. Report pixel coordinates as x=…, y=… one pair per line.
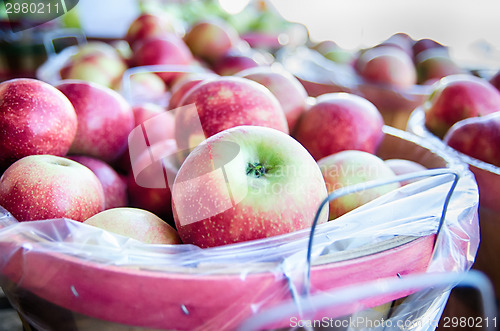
x=166, y=50
x=104, y=119
x=35, y=118
x=223, y=103
x=387, y=65
x=138, y=224
x=95, y=62
x=403, y=167
x=352, y=167
x=184, y=84
x=233, y=62
x=210, y=39
x=114, y=185
x=246, y=183
x=340, y=121
x=434, y=64
x=154, y=169
x=39, y=187
x=147, y=26
x=478, y=137
x=458, y=97
x=290, y=93
x=158, y=123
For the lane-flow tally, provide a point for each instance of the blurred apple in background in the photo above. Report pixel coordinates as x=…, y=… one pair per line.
x=152, y=175
x=223, y=103
x=348, y=168
x=166, y=50
x=388, y=66
x=104, y=119
x=424, y=44
x=211, y=39
x=495, y=80
x=144, y=87
x=114, y=185
x=35, y=118
x=434, y=64
x=403, y=167
x=252, y=182
x=478, y=137
x=337, y=122
x=457, y=97
x=333, y=52
x=400, y=40
x=96, y=62
x=147, y=26
x=233, y=62
x=284, y=86
x=137, y=224
x=39, y=187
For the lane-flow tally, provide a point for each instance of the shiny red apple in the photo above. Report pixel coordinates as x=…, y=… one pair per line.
x=35, y=118
x=219, y=104
x=105, y=119
x=39, y=187
x=457, y=97
x=340, y=121
x=478, y=137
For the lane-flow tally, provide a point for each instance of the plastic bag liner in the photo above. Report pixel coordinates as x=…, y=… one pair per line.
x=61, y=274
x=488, y=180
x=313, y=311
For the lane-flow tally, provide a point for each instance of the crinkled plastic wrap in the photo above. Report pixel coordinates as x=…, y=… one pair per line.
x=61, y=274
x=488, y=180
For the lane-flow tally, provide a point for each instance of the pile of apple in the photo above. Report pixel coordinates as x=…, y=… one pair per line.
x=239, y=152
x=400, y=62
x=464, y=111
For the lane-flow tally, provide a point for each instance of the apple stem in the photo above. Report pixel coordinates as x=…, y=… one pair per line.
x=256, y=169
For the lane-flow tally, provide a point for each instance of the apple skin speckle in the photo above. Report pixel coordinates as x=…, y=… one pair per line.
x=283, y=200
x=35, y=118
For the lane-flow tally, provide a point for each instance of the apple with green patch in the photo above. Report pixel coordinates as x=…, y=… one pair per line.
x=246, y=183
x=210, y=39
x=138, y=224
x=352, y=167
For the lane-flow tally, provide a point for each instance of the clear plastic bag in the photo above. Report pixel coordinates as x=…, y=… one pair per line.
x=61, y=274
